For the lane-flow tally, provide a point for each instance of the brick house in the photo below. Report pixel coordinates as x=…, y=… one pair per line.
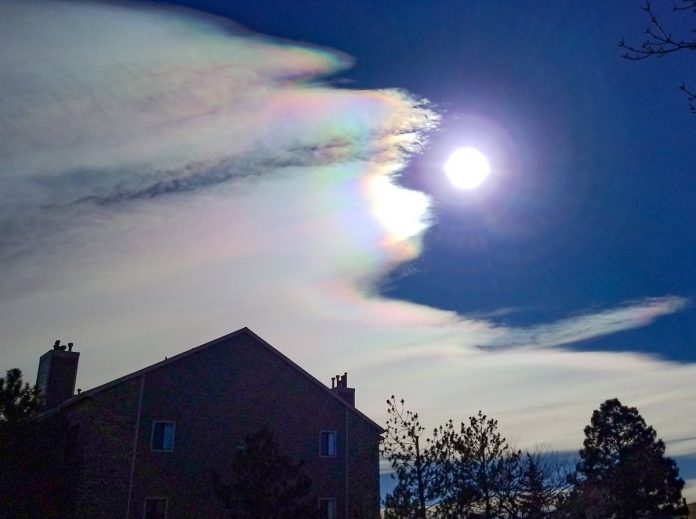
x=145, y=445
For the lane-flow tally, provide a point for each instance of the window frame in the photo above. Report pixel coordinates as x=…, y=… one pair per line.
x=156, y=498
x=335, y=507
x=152, y=435
x=321, y=444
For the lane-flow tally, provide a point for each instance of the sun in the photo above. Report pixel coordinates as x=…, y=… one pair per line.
x=467, y=168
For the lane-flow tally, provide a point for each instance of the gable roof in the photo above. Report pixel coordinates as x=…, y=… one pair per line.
x=242, y=331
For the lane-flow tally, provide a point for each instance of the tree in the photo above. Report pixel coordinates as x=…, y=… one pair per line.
x=467, y=471
x=483, y=470
x=265, y=483
x=19, y=402
x=541, y=486
x=414, y=461
x=660, y=41
x=623, y=472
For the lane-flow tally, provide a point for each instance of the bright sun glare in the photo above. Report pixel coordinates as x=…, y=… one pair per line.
x=467, y=168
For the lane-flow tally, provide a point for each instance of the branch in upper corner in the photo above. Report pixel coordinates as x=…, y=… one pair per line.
x=660, y=41
x=691, y=96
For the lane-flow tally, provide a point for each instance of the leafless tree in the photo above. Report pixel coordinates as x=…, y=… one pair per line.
x=661, y=41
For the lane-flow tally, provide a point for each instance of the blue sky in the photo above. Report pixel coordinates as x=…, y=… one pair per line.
x=600, y=211
x=168, y=177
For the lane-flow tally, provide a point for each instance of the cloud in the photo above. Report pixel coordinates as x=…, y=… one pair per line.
x=153, y=103
x=590, y=325
x=168, y=177
x=690, y=489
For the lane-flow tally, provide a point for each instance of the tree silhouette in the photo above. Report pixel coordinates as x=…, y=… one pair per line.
x=542, y=484
x=414, y=461
x=19, y=457
x=533, y=500
x=660, y=41
x=265, y=483
x=467, y=471
x=19, y=402
x=623, y=472
x=483, y=470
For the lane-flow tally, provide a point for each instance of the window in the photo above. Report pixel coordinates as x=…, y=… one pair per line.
x=327, y=508
x=328, y=444
x=156, y=508
x=163, y=436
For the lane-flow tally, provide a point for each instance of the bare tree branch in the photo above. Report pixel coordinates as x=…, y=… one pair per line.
x=660, y=41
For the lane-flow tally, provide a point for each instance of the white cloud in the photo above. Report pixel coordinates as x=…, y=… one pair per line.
x=690, y=490
x=590, y=325
x=168, y=178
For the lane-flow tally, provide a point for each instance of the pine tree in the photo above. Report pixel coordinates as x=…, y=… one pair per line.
x=414, y=461
x=623, y=472
x=486, y=469
x=19, y=402
x=265, y=483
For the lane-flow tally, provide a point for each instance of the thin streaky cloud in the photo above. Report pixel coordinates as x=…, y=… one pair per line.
x=591, y=325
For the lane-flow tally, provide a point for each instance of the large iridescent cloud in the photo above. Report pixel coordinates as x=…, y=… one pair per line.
x=167, y=178
x=151, y=103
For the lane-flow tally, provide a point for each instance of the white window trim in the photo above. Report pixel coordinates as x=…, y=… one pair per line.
x=152, y=435
x=334, y=502
x=335, y=454
x=157, y=498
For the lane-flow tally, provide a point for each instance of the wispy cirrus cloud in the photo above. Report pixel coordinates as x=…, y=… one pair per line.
x=590, y=325
x=168, y=177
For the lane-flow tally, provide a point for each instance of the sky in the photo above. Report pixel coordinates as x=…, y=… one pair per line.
x=173, y=171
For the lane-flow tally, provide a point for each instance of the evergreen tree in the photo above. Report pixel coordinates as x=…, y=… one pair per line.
x=484, y=471
x=265, y=483
x=401, y=503
x=19, y=402
x=542, y=485
x=414, y=461
x=467, y=471
x=623, y=472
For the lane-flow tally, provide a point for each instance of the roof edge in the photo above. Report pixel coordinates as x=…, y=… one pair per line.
x=245, y=330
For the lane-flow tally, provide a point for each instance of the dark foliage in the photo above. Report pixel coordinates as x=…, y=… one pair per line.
x=540, y=486
x=482, y=468
x=415, y=463
x=264, y=483
x=19, y=402
x=28, y=486
x=661, y=41
x=468, y=471
x=623, y=472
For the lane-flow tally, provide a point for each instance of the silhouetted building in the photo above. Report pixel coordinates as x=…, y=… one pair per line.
x=146, y=445
x=57, y=374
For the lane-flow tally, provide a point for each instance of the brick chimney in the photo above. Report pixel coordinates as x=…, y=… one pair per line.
x=339, y=386
x=57, y=374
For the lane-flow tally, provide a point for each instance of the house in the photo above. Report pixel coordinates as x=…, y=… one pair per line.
x=145, y=445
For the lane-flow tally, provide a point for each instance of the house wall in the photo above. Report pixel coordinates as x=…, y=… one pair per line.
x=363, y=469
x=216, y=396
x=100, y=467
x=219, y=395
